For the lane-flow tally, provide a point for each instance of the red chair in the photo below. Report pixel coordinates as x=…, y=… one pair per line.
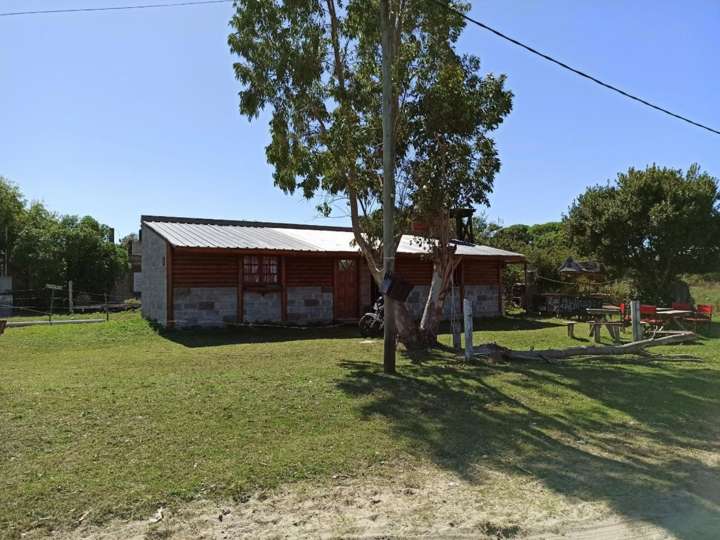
x=625, y=314
x=648, y=315
x=703, y=315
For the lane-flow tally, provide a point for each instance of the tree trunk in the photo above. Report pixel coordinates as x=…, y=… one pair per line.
x=444, y=265
x=432, y=314
x=407, y=329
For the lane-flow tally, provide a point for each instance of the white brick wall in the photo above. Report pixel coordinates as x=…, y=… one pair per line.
x=262, y=307
x=205, y=306
x=484, y=299
x=309, y=304
x=154, y=277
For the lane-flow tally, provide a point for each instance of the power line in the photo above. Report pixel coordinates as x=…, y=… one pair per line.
x=116, y=8
x=438, y=2
x=572, y=69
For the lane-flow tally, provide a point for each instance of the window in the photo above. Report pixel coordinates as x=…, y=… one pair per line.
x=260, y=269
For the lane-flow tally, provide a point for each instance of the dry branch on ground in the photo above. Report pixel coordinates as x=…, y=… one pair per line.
x=497, y=353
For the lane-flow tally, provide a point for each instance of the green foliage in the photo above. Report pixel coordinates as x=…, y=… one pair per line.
x=651, y=226
x=546, y=246
x=49, y=248
x=37, y=254
x=705, y=288
x=316, y=65
x=12, y=206
x=92, y=260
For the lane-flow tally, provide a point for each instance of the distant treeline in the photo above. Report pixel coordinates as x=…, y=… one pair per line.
x=40, y=247
x=647, y=228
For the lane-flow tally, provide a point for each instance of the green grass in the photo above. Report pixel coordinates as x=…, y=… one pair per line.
x=705, y=290
x=115, y=419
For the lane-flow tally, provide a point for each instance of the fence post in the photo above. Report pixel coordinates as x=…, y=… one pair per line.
x=468, y=313
x=635, y=318
x=107, y=310
x=456, y=337
x=70, y=297
x=52, y=301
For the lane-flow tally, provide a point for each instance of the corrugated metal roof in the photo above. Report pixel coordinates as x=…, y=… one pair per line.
x=194, y=233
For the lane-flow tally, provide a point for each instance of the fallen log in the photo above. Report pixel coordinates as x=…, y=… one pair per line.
x=497, y=353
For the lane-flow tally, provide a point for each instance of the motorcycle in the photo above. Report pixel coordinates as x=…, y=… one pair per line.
x=372, y=323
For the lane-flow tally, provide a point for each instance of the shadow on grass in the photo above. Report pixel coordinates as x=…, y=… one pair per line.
x=711, y=330
x=512, y=322
x=629, y=439
x=214, y=337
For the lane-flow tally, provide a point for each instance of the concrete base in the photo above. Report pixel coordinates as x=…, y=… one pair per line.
x=217, y=306
x=309, y=305
x=262, y=307
x=484, y=300
x=205, y=306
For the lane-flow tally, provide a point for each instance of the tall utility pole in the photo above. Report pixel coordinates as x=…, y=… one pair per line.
x=388, y=181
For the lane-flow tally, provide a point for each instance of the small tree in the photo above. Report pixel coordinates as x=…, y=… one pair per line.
x=12, y=209
x=650, y=225
x=37, y=253
x=316, y=65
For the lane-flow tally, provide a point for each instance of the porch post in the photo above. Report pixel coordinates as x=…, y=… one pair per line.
x=526, y=296
x=283, y=288
x=169, y=287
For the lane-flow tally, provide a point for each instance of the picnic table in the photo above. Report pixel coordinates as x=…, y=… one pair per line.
x=603, y=312
x=603, y=317
x=673, y=316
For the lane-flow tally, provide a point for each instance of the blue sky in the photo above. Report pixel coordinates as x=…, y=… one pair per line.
x=120, y=113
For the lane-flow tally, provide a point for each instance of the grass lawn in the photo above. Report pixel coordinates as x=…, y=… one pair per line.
x=705, y=291
x=113, y=420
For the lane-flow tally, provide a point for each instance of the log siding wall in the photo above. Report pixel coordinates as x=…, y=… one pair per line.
x=481, y=272
x=414, y=270
x=309, y=271
x=204, y=270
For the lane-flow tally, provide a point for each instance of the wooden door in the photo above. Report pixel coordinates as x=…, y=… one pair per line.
x=345, y=296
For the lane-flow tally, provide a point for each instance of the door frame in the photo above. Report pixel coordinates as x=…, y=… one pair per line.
x=356, y=293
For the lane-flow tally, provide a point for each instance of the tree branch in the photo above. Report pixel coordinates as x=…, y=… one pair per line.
x=497, y=352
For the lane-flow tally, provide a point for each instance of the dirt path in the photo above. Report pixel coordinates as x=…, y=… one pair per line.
x=426, y=502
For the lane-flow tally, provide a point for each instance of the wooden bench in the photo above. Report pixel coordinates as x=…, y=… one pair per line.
x=570, y=329
x=3, y=324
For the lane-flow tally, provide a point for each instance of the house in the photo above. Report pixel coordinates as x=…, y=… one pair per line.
x=135, y=259
x=572, y=269
x=209, y=272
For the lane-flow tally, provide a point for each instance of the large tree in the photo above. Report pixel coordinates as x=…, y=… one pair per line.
x=315, y=65
x=650, y=225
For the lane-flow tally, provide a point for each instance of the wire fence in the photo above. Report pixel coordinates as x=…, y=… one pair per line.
x=48, y=305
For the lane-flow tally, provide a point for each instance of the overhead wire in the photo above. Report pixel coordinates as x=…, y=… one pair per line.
x=572, y=69
x=440, y=3
x=115, y=8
